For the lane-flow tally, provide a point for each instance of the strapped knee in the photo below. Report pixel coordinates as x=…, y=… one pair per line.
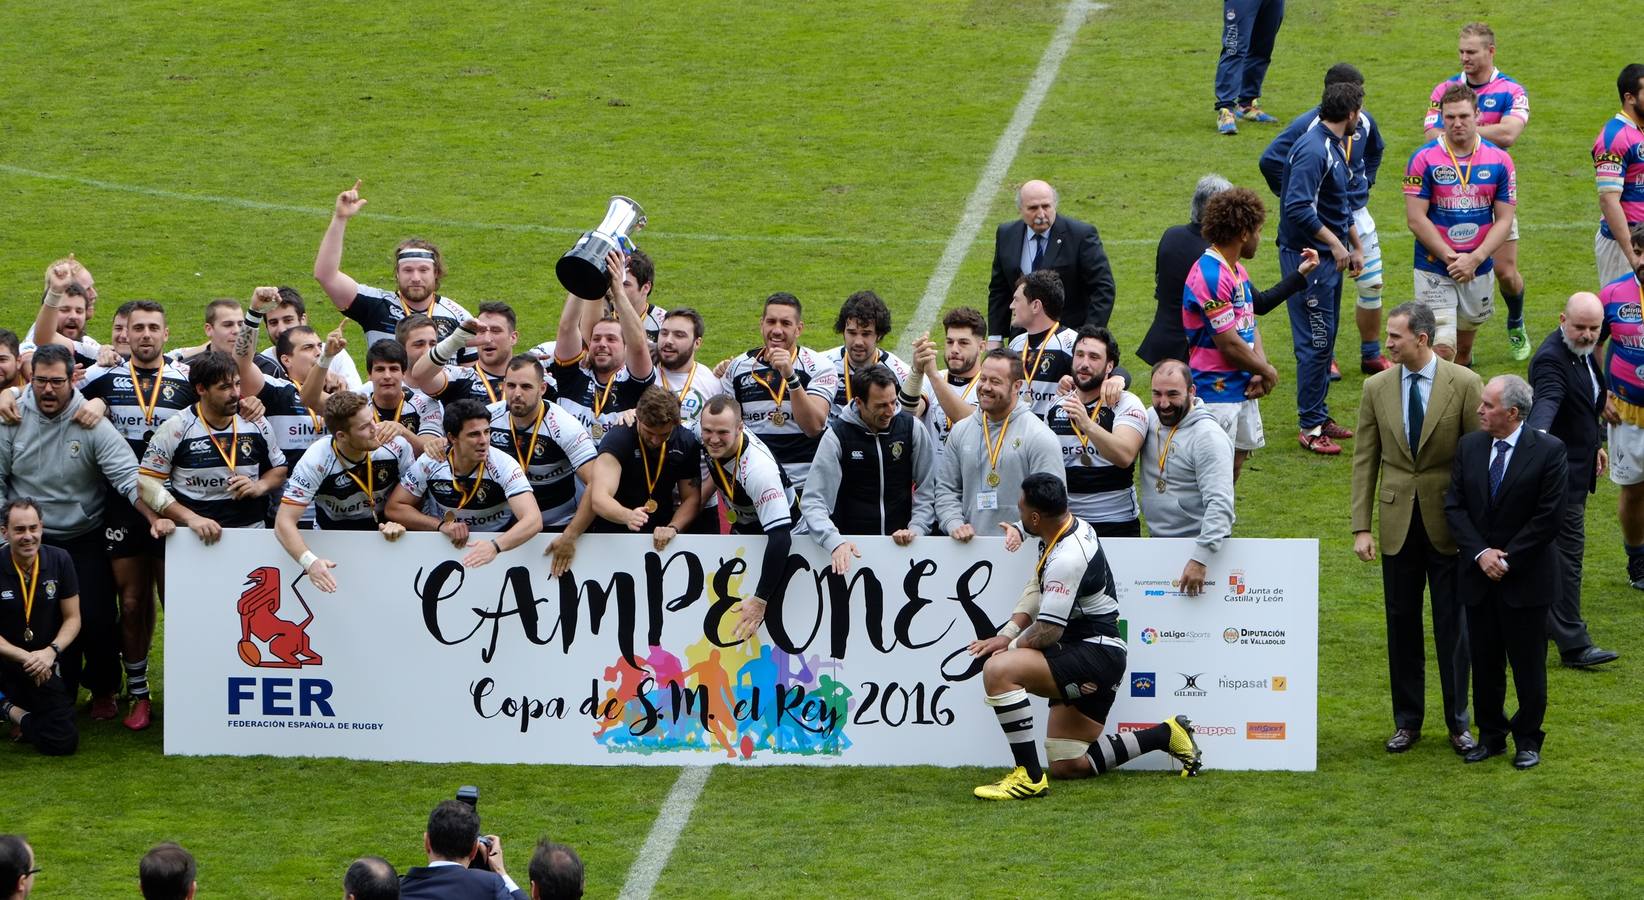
x=1065, y=748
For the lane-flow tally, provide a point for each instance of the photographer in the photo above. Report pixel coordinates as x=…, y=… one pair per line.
x=452, y=841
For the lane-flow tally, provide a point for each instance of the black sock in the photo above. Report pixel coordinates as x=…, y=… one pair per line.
x=1015, y=716
x=1515, y=308
x=1114, y=750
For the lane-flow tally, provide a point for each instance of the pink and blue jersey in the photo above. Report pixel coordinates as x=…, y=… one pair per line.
x=1217, y=299
x=1461, y=196
x=1623, y=317
x=1618, y=167
x=1498, y=98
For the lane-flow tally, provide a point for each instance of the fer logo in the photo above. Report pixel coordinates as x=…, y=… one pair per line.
x=286, y=640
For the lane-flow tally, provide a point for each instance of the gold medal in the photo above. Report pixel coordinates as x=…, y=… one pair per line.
x=598, y=431
x=650, y=479
x=448, y=518
x=993, y=479
x=650, y=506
x=1160, y=485
x=730, y=515
x=28, y=635
x=779, y=418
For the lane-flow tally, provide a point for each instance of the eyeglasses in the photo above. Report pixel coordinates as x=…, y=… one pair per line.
x=50, y=382
x=34, y=871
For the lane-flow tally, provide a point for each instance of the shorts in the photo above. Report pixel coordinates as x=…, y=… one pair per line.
x=1242, y=422
x=1612, y=263
x=1370, y=277
x=1626, y=454
x=1455, y=306
x=126, y=531
x=1087, y=675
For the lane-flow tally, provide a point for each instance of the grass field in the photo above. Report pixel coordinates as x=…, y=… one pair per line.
x=187, y=151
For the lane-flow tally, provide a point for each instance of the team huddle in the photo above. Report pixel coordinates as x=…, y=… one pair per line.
x=613, y=424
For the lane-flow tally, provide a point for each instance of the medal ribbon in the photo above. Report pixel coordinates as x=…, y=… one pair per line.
x=964, y=393
x=485, y=381
x=370, y=474
x=1039, y=570
x=651, y=480
x=1464, y=176
x=464, y=498
x=318, y=428
x=776, y=395
x=994, y=448
x=1165, y=453
x=1043, y=346
x=688, y=380
x=601, y=399
x=724, y=479
x=153, y=395
x=536, y=432
x=233, y=454
x=28, y=592
x=1084, y=441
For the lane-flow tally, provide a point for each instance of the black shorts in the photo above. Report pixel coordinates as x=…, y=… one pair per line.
x=1087, y=676
x=126, y=532
x=1127, y=528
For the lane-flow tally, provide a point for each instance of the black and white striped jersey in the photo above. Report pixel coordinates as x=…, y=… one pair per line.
x=756, y=386
x=337, y=490
x=136, y=405
x=841, y=361
x=1076, y=585
x=197, y=461
x=418, y=412
x=597, y=403
x=478, y=497
x=759, y=496
x=1046, y=357
x=550, y=451
x=378, y=311
x=1098, y=490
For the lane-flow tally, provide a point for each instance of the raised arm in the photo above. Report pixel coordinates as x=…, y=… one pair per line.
x=328, y=262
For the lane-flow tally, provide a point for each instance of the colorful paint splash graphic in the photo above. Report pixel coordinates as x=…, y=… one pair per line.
x=739, y=701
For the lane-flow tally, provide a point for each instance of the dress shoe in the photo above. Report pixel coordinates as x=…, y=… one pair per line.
x=1588, y=657
x=1463, y=742
x=1402, y=740
x=104, y=708
x=138, y=718
x=1526, y=759
x=1482, y=752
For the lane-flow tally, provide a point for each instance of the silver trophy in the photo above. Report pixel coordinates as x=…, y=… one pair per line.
x=582, y=269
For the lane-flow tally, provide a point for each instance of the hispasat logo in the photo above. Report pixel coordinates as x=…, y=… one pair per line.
x=262, y=631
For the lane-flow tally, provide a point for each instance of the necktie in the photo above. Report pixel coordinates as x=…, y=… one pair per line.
x=1498, y=466
x=1038, y=251
x=1416, y=413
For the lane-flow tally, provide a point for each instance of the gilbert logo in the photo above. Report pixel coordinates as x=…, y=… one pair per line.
x=283, y=639
x=1264, y=731
x=1190, y=685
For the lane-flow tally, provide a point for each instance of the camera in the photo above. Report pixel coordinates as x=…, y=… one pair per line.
x=469, y=794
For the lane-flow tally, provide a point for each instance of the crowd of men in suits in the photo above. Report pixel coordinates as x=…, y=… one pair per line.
x=614, y=425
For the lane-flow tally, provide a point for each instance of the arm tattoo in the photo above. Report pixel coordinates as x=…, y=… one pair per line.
x=1039, y=635
x=244, y=340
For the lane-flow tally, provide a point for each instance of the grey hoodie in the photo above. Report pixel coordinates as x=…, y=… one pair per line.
x=1197, y=501
x=63, y=466
x=1030, y=447
x=822, y=483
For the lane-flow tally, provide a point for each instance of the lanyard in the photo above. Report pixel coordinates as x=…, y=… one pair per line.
x=601, y=399
x=688, y=380
x=1043, y=346
x=1464, y=176
x=994, y=448
x=370, y=476
x=1164, y=454
x=651, y=480
x=776, y=395
x=724, y=479
x=485, y=381
x=233, y=454
x=399, y=408
x=1039, y=570
x=153, y=395
x=963, y=394
x=318, y=428
x=28, y=589
x=464, y=498
x=536, y=432
x=1084, y=440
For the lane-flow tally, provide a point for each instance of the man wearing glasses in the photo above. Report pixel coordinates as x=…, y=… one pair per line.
x=17, y=868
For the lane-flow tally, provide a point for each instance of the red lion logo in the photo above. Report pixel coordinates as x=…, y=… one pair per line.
x=287, y=640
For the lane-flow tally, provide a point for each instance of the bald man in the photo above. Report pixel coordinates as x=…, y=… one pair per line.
x=1041, y=239
x=1569, y=392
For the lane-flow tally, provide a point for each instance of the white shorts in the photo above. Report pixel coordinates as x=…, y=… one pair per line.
x=1626, y=453
x=1242, y=422
x=1612, y=263
x=1369, y=280
x=1455, y=306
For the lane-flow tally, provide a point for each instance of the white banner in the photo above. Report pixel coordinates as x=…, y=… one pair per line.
x=416, y=658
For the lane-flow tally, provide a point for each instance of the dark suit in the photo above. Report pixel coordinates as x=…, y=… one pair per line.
x=454, y=883
x=1567, y=408
x=1075, y=252
x=1507, y=619
x=1179, y=248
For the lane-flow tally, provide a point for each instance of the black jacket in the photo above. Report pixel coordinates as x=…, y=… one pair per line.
x=455, y=883
x=1075, y=251
x=1521, y=521
x=1566, y=408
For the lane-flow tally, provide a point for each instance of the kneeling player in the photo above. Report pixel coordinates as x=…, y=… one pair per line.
x=1069, y=651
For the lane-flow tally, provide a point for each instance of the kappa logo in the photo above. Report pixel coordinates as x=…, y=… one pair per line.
x=262, y=630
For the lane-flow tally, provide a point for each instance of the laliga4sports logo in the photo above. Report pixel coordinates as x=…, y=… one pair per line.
x=272, y=638
x=1172, y=636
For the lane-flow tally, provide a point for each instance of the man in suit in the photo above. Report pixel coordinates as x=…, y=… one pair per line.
x=1410, y=418
x=1569, y=392
x=1505, y=507
x=1179, y=248
x=451, y=841
x=1041, y=239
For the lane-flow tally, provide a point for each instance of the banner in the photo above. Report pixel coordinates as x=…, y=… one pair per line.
x=629, y=659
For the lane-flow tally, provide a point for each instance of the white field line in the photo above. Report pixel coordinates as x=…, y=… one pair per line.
x=665, y=831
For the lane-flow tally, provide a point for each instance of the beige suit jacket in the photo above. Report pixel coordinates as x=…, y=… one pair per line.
x=1385, y=475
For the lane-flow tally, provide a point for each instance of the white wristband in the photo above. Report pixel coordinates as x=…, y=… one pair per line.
x=307, y=559
x=1010, y=630
x=324, y=365
x=52, y=298
x=1012, y=644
